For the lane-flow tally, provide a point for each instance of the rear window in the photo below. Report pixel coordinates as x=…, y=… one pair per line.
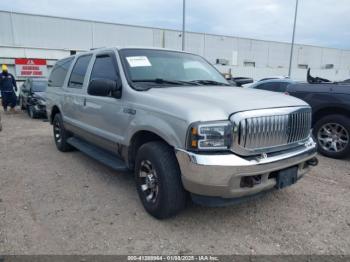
x=59, y=72
x=77, y=76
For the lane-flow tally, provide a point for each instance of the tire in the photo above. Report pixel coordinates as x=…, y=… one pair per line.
x=60, y=134
x=157, y=159
x=31, y=112
x=332, y=134
x=21, y=103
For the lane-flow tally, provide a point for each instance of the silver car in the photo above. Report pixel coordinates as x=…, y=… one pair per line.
x=175, y=121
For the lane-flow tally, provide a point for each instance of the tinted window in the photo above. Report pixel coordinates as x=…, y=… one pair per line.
x=77, y=76
x=273, y=86
x=283, y=86
x=39, y=86
x=59, y=72
x=104, y=68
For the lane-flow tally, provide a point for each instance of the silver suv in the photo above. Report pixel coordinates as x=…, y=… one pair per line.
x=174, y=120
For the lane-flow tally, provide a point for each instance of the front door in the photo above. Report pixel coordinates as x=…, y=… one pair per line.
x=104, y=115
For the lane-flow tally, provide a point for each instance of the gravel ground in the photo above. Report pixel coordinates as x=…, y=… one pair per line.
x=67, y=203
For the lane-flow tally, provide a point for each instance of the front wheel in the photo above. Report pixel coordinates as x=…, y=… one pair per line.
x=158, y=180
x=31, y=112
x=332, y=134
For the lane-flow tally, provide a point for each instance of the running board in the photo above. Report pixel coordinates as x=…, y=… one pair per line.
x=98, y=154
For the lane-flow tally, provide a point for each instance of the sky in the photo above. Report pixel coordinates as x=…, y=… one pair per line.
x=320, y=22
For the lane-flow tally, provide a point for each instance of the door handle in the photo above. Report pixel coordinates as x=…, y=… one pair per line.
x=84, y=102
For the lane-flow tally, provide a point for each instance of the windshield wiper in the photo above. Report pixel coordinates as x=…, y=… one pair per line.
x=209, y=82
x=165, y=81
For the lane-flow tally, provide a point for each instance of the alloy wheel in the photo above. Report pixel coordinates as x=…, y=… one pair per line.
x=57, y=132
x=333, y=137
x=148, y=181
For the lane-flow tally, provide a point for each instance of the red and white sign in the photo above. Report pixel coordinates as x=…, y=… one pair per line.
x=31, y=67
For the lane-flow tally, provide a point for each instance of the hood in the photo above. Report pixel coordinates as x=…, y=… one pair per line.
x=207, y=103
x=41, y=95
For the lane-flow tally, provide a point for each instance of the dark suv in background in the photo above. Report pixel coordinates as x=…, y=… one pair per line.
x=32, y=97
x=330, y=102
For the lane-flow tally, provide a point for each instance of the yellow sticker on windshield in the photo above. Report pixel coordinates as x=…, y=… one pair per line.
x=138, y=61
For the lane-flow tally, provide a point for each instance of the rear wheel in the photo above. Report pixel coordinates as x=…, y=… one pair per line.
x=60, y=134
x=333, y=136
x=158, y=180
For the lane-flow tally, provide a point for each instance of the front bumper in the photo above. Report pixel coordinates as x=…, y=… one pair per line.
x=39, y=109
x=220, y=175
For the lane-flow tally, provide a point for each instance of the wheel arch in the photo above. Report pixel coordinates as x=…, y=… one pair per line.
x=329, y=111
x=55, y=109
x=138, y=139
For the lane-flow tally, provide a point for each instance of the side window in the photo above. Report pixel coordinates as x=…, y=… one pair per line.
x=283, y=86
x=59, y=72
x=269, y=87
x=77, y=76
x=104, y=68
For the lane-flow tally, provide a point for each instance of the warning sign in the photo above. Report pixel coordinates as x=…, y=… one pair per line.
x=31, y=67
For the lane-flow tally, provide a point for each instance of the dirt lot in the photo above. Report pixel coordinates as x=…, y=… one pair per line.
x=54, y=203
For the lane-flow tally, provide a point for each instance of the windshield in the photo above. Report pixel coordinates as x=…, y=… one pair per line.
x=39, y=86
x=148, y=68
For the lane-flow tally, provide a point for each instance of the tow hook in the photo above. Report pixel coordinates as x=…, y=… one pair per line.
x=312, y=162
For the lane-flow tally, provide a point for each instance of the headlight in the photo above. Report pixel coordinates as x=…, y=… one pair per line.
x=210, y=136
x=41, y=102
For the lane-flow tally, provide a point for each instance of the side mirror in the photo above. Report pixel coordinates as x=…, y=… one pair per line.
x=103, y=87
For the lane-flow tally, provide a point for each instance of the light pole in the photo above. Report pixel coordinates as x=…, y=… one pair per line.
x=292, y=46
x=183, y=23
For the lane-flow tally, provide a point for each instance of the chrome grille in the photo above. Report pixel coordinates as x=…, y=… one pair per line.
x=268, y=130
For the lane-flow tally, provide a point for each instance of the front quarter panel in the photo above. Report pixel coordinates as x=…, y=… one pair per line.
x=172, y=130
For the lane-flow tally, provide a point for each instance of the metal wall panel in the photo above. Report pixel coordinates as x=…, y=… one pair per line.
x=278, y=55
x=6, y=35
x=345, y=60
x=260, y=52
x=172, y=40
x=218, y=47
x=308, y=55
x=51, y=32
x=194, y=43
x=52, y=37
x=331, y=56
x=106, y=35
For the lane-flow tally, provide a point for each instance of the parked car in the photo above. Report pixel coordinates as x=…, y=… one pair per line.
x=330, y=102
x=273, y=77
x=32, y=97
x=275, y=85
x=174, y=120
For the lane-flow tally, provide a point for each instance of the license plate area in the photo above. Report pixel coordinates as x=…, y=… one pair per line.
x=286, y=177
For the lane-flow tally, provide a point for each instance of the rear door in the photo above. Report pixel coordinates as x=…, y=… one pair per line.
x=56, y=82
x=74, y=95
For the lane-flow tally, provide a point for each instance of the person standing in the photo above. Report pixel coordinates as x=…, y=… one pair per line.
x=8, y=87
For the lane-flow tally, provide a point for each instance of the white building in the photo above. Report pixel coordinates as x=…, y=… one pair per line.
x=52, y=38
